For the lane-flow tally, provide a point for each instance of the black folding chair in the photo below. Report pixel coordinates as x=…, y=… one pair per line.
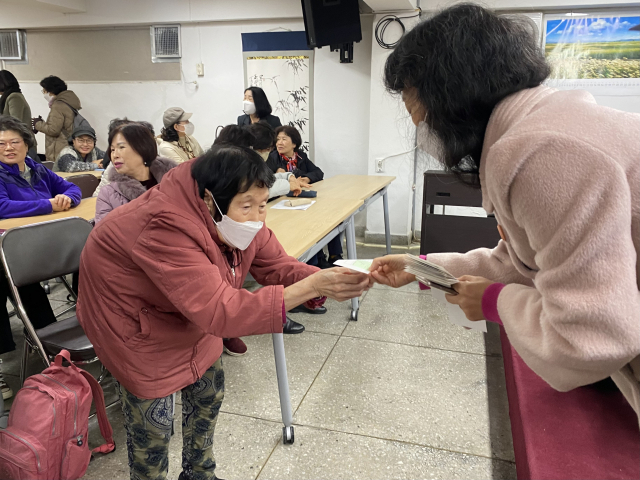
x=87, y=183
x=32, y=254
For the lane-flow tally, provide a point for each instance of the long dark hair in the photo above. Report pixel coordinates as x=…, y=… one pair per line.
x=169, y=134
x=263, y=107
x=8, y=85
x=462, y=63
x=226, y=170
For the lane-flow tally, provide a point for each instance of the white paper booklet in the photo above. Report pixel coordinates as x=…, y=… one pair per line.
x=356, y=265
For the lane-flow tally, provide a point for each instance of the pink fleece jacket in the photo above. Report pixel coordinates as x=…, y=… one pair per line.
x=562, y=176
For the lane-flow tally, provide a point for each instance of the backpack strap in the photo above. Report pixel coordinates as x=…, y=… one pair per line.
x=98, y=398
x=101, y=413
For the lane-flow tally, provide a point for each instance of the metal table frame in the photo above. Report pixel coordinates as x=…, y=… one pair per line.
x=348, y=228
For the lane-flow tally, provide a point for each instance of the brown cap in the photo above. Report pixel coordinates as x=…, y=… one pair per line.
x=174, y=115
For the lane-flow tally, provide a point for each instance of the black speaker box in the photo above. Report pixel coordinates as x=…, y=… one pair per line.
x=331, y=22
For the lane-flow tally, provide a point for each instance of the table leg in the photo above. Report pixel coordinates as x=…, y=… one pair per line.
x=350, y=233
x=283, y=387
x=387, y=229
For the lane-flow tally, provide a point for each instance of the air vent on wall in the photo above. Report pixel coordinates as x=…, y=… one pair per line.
x=12, y=45
x=165, y=43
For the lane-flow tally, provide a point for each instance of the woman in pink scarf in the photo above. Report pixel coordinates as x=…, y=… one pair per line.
x=562, y=176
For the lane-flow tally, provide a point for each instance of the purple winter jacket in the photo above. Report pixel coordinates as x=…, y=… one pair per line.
x=122, y=188
x=19, y=198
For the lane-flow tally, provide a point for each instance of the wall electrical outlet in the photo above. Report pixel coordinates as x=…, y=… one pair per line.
x=200, y=69
x=379, y=166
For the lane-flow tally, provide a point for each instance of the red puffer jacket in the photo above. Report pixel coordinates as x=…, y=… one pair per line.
x=157, y=295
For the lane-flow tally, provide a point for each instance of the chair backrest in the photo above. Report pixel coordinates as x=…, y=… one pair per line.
x=87, y=183
x=39, y=252
x=48, y=165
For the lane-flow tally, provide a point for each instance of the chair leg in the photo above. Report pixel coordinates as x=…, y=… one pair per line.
x=25, y=361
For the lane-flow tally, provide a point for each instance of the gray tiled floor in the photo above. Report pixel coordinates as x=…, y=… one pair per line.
x=399, y=394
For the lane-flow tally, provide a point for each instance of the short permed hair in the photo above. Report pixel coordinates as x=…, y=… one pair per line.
x=292, y=133
x=11, y=124
x=226, y=170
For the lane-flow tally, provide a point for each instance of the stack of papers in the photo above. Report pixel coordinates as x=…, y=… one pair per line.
x=430, y=274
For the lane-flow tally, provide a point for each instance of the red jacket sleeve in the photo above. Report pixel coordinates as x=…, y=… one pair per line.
x=174, y=258
x=272, y=265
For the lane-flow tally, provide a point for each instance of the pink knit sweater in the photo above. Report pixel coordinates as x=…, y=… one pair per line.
x=562, y=176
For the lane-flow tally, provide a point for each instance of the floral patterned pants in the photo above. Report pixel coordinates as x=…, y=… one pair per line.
x=148, y=424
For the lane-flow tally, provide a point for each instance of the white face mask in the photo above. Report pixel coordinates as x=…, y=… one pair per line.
x=48, y=97
x=249, y=107
x=237, y=234
x=427, y=141
x=186, y=129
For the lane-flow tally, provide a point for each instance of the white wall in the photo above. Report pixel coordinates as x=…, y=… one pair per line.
x=356, y=121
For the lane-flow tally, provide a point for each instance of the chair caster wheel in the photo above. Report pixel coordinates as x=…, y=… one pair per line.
x=287, y=435
x=354, y=315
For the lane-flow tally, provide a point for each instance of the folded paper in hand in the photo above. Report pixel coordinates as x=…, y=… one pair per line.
x=430, y=274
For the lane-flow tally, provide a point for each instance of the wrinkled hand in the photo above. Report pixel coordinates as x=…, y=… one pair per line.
x=98, y=162
x=389, y=270
x=339, y=283
x=470, y=291
x=294, y=186
x=60, y=203
x=305, y=180
x=303, y=184
x=280, y=170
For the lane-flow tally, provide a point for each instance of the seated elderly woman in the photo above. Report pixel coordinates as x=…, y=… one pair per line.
x=162, y=285
x=288, y=157
x=133, y=152
x=82, y=154
x=28, y=188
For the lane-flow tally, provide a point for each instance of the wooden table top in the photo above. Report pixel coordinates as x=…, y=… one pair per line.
x=86, y=210
x=338, y=198
x=96, y=173
x=360, y=187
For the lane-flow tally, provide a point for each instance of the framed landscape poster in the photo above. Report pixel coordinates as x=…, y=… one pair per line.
x=593, y=50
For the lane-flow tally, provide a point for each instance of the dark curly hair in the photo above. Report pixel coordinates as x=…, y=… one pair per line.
x=234, y=135
x=11, y=124
x=53, y=84
x=265, y=137
x=462, y=62
x=169, y=134
x=226, y=170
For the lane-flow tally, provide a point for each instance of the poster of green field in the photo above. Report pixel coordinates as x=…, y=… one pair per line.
x=593, y=47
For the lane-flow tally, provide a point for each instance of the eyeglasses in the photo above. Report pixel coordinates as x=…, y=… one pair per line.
x=85, y=141
x=13, y=144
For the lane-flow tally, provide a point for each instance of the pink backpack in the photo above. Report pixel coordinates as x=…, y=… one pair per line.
x=48, y=425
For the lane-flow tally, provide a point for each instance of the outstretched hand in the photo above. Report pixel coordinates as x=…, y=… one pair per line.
x=340, y=283
x=389, y=271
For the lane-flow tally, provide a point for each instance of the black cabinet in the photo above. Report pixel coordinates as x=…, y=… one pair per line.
x=450, y=233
